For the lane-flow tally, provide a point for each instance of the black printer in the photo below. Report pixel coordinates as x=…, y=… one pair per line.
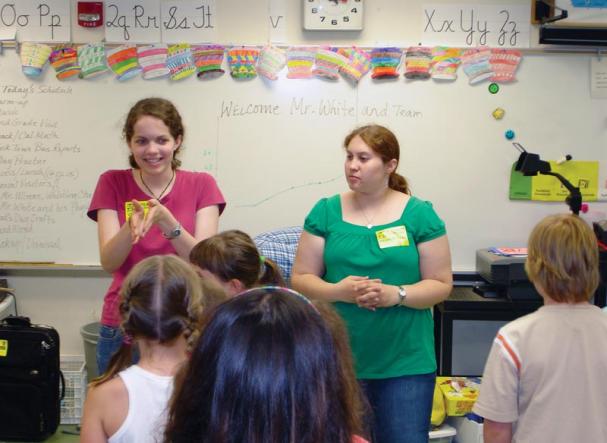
x=505, y=276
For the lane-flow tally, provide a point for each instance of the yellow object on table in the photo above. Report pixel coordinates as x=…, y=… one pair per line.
x=460, y=393
x=439, y=412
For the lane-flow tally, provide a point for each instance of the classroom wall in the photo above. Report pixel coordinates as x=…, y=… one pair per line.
x=69, y=299
x=453, y=152
x=66, y=300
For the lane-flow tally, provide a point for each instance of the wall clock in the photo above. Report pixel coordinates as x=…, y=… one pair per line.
x=333, y=15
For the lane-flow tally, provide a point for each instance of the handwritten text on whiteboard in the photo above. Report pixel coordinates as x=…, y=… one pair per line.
x=476, y=25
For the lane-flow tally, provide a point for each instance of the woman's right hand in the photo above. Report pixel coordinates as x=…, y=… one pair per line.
x=352, y=287
x=137, y=222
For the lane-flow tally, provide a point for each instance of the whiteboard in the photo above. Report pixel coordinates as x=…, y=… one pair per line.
x=275, y=148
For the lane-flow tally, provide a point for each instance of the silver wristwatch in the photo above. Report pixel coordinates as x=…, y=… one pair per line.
x=173, y=233
x=402, y=295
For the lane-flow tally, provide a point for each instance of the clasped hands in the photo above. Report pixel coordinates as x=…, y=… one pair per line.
x=142, y=221
x=368, y=293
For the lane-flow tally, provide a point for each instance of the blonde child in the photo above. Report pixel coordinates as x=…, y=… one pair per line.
x=543, y=381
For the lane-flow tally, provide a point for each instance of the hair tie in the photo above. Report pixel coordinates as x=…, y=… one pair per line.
x=262, y=267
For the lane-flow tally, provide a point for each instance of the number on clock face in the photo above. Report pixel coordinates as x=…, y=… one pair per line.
x=336, y=15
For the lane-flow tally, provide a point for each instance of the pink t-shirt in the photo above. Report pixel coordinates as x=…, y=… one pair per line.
x=191, y=191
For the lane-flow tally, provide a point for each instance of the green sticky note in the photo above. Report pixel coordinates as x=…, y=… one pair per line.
x=520, y=185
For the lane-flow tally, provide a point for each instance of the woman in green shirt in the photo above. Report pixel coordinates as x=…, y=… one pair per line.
x=382, y=257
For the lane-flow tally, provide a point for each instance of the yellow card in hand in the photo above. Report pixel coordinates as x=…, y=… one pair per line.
x=3, y=348
x=128, y=208
x=391, y=237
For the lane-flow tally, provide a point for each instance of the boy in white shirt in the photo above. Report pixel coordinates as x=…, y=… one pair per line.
x=544, y=377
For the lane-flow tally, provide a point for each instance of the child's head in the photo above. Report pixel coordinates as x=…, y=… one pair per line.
x=563, y=258
x=265, y=368
x=231, y=257
x=161, y=300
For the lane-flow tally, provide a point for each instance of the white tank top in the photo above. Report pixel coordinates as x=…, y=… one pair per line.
x=148, y=403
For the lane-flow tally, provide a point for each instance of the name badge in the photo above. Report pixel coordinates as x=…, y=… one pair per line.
x=129, y=208
x=3, y=348
x=392, y=237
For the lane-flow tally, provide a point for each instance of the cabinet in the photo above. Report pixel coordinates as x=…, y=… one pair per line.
x=465, y=325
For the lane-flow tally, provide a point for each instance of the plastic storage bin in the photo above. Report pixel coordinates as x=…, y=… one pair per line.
x=468, y=431
x=74, y=373
x=443, y=434
x=90, y=336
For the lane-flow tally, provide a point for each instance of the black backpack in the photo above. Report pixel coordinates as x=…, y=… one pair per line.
x=31, y=383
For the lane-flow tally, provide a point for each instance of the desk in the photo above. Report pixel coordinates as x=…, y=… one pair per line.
x=464, y=304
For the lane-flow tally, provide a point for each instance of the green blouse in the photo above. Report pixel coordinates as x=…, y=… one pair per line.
x=387, y=342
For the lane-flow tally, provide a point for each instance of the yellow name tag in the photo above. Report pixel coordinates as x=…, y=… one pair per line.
x=3, y=348
x=128, y=208
x=391, y=237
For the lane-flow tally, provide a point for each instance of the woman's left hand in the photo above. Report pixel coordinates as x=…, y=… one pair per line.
x=137, y=221
x=157, y=214
x=378, y=295
x=373, y=294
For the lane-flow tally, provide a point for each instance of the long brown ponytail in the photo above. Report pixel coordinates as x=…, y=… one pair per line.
x=233, y=254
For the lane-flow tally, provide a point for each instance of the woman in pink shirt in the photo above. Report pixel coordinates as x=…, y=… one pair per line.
x=149, y=209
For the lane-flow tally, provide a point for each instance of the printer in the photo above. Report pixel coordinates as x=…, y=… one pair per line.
x=505, y=276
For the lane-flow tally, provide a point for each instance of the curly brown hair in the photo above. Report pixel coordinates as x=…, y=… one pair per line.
x=161, y=109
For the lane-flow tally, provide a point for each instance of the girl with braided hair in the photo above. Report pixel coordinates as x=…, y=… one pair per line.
x=161, y=305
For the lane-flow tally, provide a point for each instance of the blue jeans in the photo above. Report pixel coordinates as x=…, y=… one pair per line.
x=401, y=408
x=109, y=342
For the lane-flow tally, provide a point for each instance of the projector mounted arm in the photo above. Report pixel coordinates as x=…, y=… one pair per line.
x=550, y=6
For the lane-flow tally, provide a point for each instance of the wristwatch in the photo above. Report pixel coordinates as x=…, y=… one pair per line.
x=173, y=233
x=402, y=295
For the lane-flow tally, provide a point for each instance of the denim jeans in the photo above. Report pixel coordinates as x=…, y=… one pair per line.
x=401, y=408
x=109, y=342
